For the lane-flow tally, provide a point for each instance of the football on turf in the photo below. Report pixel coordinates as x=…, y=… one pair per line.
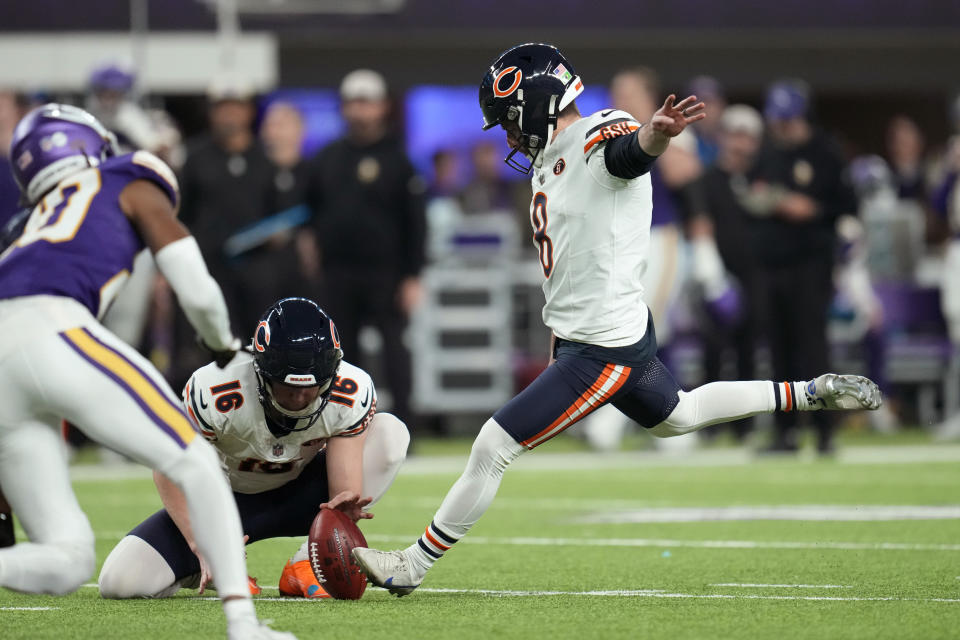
x=332, y=536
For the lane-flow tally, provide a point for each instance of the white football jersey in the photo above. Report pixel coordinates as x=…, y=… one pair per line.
x=225, y=408
x=592, y=231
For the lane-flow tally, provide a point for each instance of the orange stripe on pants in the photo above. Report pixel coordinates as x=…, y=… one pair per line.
x=583, y=399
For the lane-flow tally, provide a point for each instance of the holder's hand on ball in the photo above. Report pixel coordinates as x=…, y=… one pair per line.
x=351, y=504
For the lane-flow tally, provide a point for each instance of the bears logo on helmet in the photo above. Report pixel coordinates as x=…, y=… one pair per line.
x=525, y=89
x=262, y=329
x=503, y=93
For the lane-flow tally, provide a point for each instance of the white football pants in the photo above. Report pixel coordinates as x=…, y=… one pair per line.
x=57, y=361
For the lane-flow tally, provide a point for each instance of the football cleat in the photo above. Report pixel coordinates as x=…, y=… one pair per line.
x=253, y=629
x=832, y=391
x=387, y=569
x=298, y=581
x=254, y=587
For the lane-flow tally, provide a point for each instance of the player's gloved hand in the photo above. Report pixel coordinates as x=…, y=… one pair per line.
x=350, y=503
x=222, y=358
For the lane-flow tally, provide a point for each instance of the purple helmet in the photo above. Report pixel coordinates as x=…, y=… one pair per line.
x=870, y=174
x=111, y=77
x=52, y=142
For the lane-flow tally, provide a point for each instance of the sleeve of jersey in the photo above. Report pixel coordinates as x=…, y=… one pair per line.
x=363, y=414
x=617, y=137
x=194, y=407
x=143, y=165
x=614, y=125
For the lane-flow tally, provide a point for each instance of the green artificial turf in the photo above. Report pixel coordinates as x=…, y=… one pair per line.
x=896, y=578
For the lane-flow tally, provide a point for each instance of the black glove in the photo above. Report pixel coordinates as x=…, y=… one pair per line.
x=222, y=358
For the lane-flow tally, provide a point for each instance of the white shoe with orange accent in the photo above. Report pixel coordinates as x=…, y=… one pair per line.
x=388, y=569
x=298, y=581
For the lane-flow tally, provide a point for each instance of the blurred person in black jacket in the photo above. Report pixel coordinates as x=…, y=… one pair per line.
x=282, y=134
x=722, y=250
x=227, y=184
x=799, y=192
x=369, y=229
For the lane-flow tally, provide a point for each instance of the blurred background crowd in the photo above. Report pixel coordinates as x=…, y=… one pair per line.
x=810, y=223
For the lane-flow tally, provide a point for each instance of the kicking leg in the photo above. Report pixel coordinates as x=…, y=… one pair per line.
x=567, y=391
x=402, y=571
x=657, y=402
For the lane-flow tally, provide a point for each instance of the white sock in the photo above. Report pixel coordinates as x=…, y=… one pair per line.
x=468, y=499
x=302, y=553
x=795, y=396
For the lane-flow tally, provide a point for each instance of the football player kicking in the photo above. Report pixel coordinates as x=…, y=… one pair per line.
x=91, y=211
x=293, y=424
x=591, y=224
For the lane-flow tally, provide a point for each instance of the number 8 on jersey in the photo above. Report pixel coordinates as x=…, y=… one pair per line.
x=538, y=216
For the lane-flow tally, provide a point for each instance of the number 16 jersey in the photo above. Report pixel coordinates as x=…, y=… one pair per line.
x=225, y=408
x=592, y=231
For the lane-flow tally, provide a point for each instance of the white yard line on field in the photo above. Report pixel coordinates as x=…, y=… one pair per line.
x=696, y=544
x=641, y=593
x=749, y=585
x=804, y=512
x=29, y=608
x=632, y=593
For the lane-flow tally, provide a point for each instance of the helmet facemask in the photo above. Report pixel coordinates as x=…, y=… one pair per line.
x=282, y=421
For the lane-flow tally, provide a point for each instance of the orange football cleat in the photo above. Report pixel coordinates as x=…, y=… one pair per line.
x=254, y=587
x=298, y=581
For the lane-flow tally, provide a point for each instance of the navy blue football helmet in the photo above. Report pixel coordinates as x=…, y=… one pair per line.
x=528, y=85
x=295, y=344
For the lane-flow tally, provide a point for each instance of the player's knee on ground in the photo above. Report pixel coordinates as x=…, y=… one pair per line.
x=681, y=420
x=134, y=569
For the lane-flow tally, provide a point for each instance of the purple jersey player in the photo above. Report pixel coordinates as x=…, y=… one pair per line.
x=90, y=213
x=78, y=242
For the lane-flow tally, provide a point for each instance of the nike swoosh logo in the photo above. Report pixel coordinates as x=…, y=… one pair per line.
x=193, y=391
x=366, y=400
x=604, y=114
